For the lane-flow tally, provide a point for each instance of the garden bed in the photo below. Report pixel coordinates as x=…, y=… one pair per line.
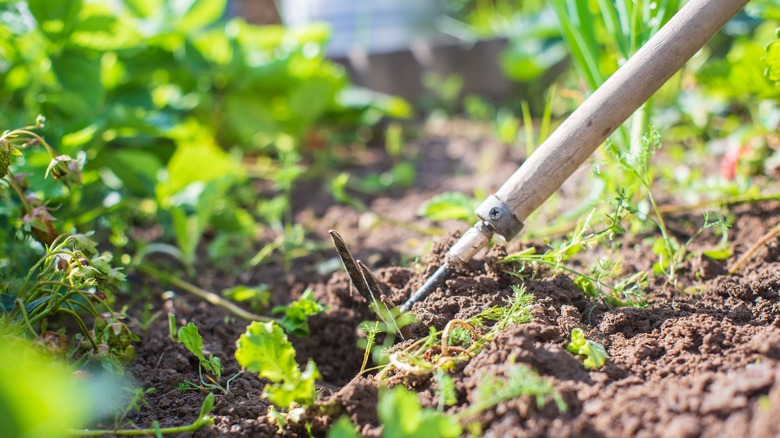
x=700, y=360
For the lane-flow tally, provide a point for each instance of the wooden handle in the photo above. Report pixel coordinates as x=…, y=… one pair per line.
x=605, y=110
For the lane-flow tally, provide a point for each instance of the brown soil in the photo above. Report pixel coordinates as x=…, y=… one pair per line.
x=703, y=359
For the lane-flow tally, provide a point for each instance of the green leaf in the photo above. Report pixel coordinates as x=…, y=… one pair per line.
x=296, y=315
x=81, y=94
x=448, y=205
x=207, y=406
x=773, y=61
x=402, y=416
x=189, y=336
x=264, y=349
x=202, y=13
x=718, y=254
x=197, y=159
x=55, y=18
x=343, y=428
x=594, y=353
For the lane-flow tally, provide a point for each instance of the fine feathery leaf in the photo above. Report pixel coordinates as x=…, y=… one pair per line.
x=264, y=349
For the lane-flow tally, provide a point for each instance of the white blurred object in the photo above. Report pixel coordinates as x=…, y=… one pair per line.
x=368, y=26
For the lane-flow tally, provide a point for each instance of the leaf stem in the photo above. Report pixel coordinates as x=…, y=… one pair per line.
x=751, y=251
x=211, y=297
x=193, y=427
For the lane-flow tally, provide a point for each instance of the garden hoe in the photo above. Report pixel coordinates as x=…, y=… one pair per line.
x=575, y=140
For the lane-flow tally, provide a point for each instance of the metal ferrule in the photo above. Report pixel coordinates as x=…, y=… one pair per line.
x=500, y=217
x=476, y=238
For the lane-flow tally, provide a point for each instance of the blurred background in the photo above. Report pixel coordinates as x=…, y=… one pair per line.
x=223, y=136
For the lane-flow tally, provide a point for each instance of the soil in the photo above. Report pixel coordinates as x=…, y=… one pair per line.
x=702, y=359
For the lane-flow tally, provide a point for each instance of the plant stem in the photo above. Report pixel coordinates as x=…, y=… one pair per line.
x=11, y=180
x=197, y=425
x=673, y=209
x=211, y=297
x=756, y=246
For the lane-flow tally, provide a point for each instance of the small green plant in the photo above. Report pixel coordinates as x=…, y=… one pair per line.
x=136, y=401
x=435, y=352
x=402, y=416
x=343, y=428
x=191, y=339
x=446, y=391
x=296, y=315
x=256, y=297
x=449, y=205
x=264, y=349
x=593, y=354
x=519, y=380
x=622, y=291
x=189, y=336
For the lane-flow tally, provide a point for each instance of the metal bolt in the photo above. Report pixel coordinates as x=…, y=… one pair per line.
x=495, y=213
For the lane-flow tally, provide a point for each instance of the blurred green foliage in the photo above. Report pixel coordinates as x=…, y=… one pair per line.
x=39, y=397
x=168, y=101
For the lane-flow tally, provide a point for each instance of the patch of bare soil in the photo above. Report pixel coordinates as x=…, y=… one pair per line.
x=703, y=360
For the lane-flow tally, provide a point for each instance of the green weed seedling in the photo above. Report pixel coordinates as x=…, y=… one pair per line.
x=265, y=350
x=189, y=336
x=437, y=352
x=296, y=314
x=402, y=416
x=622, y=291
x=594, y=355
x=134, y=404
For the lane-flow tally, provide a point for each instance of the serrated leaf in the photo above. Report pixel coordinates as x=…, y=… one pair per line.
x=189, y=336
x=264, y=349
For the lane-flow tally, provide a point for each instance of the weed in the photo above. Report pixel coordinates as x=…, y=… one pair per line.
x=622, y=292
x=594, y=355
x=402, y=416
x=520, y=380
x=191, y=339
x=256, y=297
x=296, y=315
x=264, y=349
x=446, y=392
x=189, y=336
x=434, y=352
x=134, y=404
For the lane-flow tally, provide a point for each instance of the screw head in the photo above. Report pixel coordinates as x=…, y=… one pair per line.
x=495, y=213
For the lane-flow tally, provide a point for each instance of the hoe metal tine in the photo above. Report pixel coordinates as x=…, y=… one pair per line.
x=427, y=287
x=371, y=281
x=355, y=275
x=376, y=290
